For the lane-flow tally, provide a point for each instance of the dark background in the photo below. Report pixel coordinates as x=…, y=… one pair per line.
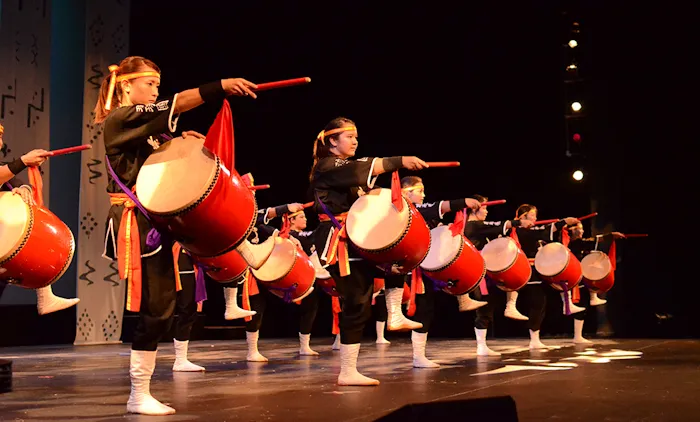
x=479, y=83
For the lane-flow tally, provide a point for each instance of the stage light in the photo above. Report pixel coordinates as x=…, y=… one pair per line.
x=576, y=106
x=571, y=68
x=573, y=43
x=577, y=138
x=578, y=175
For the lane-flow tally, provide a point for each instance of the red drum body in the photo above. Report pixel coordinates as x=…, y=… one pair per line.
x=224, y=268
x=36, y=247
x=598, y=273
x=453, y=260
x=558, y=265
x=506, y=264
x=323, y=277
x=187, y=189
x=288, y=273
x=384, y=235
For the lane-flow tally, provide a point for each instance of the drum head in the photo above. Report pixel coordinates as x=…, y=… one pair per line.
x=551, y=259
x=373, y=223
x=596, y=266
x=176, y=175
x=14, y=223
x=500, y=254
x=443, y=248
x=279, y=263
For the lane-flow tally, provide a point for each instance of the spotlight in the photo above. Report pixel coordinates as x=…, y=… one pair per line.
x=578, y=175
x=571, y=68
x=573, y=43
x=577, y=138
x=576, y=106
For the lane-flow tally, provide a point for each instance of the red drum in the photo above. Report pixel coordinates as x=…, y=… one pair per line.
x=453, y=260
x=383, y=235
x=36, y=247
x=206, y=206
x=506, y=264
x=557, y=264
x=224, y=268
x=598, y=273
x=288, y=272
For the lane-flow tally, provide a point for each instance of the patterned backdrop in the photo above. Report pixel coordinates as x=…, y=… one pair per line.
x=101, y=292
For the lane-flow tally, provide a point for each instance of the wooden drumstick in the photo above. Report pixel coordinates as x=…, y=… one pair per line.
x=259, y=187
x=282, y=84
x=636, y=235
x=554, y=220
x=69, y=150
x=308, y=204
x=494, y=202
x=437, y=164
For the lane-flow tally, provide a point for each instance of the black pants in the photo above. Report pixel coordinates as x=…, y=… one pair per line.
x=425, y=307
x=585, y=299
x=379, y=308
x=536, y=297
x=158, y=297
x=394, y=281
x=186, y=306
x=356, y=290
x=484, y=314
x=307, y=312
x=257, y=304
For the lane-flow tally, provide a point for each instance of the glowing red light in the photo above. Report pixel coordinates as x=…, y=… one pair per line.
x=577, y=137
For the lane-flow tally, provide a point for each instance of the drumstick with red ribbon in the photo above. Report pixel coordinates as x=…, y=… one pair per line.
x=69, y=150
x=554, y=220
x=282, y=84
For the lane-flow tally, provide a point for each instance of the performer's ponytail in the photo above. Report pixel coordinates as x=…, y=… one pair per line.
x=108, y=100
x=322, y=147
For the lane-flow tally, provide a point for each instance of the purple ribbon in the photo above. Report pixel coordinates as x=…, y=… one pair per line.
x=9, y=185
x=200, y=287
x=437, y=284
x=153, y=239
x=326, y=211
x=288, y=291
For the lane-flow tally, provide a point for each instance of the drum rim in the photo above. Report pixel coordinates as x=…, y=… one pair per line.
x=397, y=241
x=24, y=239
x=291, y=267
x=452, y=261
x=189, y=207
x=568, y=259
x=606, y=275
x=512, y=263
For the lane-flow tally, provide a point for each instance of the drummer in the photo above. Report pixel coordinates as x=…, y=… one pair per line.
x=46, y=301
x=336, y=180
x=413, y=189
x=581, y=246
x=530, y=241
x=133, y=124
x=479, y=232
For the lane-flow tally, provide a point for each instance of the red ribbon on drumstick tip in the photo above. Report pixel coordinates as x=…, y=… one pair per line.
x=554, y=220
x=282, y=84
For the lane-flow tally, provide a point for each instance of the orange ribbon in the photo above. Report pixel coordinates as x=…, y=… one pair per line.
x=338, y=250
x=177, y=249
x=129, y=250
x=250, y=288
x=335, y=305
x=417, y=287
x=37, y=185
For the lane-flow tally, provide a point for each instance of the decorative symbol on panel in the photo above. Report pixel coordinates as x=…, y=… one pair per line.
x=84, y=276
x=34, y=49
x=96, y=31
x=18, y=46
x=96, y=79
x=115, y=271
x=94, y=129
x=110, y=327
x=31, y=107
x=85, y=326
x=11, y=94
x=94, y=174
x=118, y=39
x=88, y=224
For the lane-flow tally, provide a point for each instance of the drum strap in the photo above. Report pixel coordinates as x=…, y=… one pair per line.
x=417, y=287
x=250, y=288
x=200, y=292
x=338, y=247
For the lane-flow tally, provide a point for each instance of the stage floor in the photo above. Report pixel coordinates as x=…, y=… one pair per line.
x=625, y=380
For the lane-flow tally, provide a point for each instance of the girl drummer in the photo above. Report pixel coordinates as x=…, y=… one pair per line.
x=479, y=232
x=530, y=241
x=581, y=246
x=336, y=181
x=46, y=301
x=133, y=123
